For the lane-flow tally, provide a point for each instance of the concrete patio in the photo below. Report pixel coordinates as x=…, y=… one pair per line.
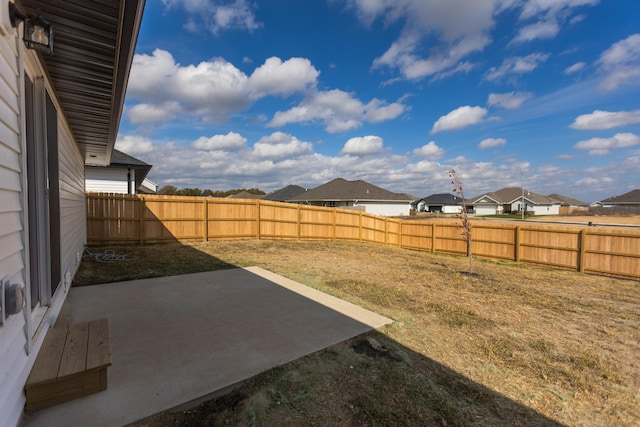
x=178, y=339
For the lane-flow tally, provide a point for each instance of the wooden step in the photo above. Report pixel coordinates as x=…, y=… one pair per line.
x=72, y=363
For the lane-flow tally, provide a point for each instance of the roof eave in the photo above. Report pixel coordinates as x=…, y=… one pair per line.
x=131, y=12
x=90, y=65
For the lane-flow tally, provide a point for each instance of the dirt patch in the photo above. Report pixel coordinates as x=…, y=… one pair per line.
x=512, y=344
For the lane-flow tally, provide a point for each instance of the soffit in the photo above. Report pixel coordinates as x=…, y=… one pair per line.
x=93, y=46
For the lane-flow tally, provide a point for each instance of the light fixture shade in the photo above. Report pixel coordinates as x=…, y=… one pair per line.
x=38, y=35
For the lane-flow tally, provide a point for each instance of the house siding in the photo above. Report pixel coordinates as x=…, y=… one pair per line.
x=13, y=355
x=107, y=180
x=485, y=210
x=20, y=338
x=387, y=209
x=72, y=204
x=545, y=209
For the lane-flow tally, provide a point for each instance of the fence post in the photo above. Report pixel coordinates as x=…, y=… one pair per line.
x=141, y=219
x=335, y=223
x=399, y=234
x=516, y=246
x=299, y=221
x=582, y=246
x=258, y=219
x=205, y=219
x=360, y=226
x=386, y=229
x=433, y=238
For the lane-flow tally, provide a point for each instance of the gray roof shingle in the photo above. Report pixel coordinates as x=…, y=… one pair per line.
x=511, y=194
x=566, y=201
x=284, y=194
x=442, y=199
x=340, y=189
x=632, y=197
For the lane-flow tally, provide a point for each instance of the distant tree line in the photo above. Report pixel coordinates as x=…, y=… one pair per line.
x=171, y=190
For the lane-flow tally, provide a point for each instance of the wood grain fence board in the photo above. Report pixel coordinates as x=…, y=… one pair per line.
x=116, y=219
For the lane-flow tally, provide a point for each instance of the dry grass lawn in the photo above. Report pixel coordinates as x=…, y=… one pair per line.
x=511, y=344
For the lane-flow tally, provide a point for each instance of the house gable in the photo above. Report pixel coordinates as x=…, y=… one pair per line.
x=125, y=174
x=356, y=195
x=340, y=189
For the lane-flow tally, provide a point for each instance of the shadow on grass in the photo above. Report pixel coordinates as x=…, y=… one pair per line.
x=108, y=264
x=367, y=380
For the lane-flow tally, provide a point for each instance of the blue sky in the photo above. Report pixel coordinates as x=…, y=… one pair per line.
x=240, y=93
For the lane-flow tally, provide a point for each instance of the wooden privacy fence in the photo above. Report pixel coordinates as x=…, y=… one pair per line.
x=127, y=219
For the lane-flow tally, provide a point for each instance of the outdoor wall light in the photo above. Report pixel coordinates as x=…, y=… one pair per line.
x=37, y=32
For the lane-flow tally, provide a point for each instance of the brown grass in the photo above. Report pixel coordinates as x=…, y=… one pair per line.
x=509, y=345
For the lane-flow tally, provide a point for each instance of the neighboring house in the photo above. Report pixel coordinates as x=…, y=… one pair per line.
x=630, y=199
x=59, y=113
x=125, y=174
x=509, y=200
x=148, y=187
x=284, y=194
x=361, y=195
x=569, y=205
x=444, y=203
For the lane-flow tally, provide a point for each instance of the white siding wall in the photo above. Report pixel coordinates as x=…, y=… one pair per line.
x=545, y=209
x=386, y=209
x=450, y=209
x=15, y=358
x=73, y=211
x=485, y=210
x=13, y=354
x=106, y=180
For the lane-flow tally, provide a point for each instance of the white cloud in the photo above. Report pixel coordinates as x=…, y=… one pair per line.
x=462, y=28
x=150, y=113
x=338, y=110
x=237, y=15
x=218, y=17
x=185, y=166
x=463, y=67
x=491, y=142
x=578, y=66
x=134, y=144
x=605, y=120
x=510, y=100
x=442, y=64
x=230, y=142
x=539, y=30
x=283, y=78
x=549, y=16
x=212, y=89
x=162, y=89
x=552, y=8
x=601, y=146
x=363, y=145
x=429, y=151
x=620, y=63
x=459, y=118
x=517, y=65
x=280, y=145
